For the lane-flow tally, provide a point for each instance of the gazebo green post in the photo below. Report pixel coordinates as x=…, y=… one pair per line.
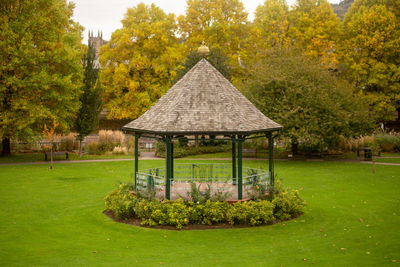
x=172, y=160
x=233, y=160
x=240, y=181
x=168, y=167
x=271, y=158
x=137, y=136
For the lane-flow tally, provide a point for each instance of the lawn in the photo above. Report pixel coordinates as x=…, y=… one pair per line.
x=54, y=218
x=35, y=157
x=388, y=160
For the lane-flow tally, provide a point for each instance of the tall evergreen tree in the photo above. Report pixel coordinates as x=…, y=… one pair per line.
x=91, y=102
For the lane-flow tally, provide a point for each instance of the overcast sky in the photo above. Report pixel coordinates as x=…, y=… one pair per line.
x=106, y=15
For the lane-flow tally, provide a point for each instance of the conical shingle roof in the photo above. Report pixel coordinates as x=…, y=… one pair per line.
x=202, y=102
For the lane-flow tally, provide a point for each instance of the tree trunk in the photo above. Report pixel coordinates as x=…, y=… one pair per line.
x=6, y=147
x=398, y=114
x=51, y=157
x=80, y=147
x=295, y=147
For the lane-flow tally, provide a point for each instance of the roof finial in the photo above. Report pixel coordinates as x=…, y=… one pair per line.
x=203, y=50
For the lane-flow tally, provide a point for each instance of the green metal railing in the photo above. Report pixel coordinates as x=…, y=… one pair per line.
x=216, y=176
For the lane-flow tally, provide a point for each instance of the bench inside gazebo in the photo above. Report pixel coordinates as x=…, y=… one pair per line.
x=203, y=103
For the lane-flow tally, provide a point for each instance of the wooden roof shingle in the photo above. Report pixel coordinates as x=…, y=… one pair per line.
x=202, y=102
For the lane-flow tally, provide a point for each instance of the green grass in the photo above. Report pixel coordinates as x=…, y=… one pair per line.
x=390, y=154
x=388, y=160
x=54, y=218
x=227, y=155
x=37, y=157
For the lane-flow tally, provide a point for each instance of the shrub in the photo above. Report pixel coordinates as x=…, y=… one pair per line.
x=287, y=204
x=91, y=148
x=121, y=202
x=111, y=137
x=183, y=151
x=252, y=213
x=183, y=141
x=389, y=142
x=213, y=212
x=68, y=143
x=119, y=150
x=179, y=213
x=109, y=141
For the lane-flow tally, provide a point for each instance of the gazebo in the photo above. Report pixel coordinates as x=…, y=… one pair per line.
x=202, y=103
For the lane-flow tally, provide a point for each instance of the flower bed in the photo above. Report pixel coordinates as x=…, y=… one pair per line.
x=280, y=204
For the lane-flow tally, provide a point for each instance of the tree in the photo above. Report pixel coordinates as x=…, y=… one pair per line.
x=370, y=51
x=216, y=58
x=41, y=70
x=51, y=134
x=222, y=24
x=91, y=103
x=315, y=28
x=314, y=107
x=271, y=27
x=139, y=62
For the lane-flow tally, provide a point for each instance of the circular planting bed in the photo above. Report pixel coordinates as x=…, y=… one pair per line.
x=203, y=209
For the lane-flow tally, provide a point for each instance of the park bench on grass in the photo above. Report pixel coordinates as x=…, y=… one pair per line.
x=62, y=153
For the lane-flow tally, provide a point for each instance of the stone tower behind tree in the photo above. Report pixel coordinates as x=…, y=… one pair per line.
x=97, y=42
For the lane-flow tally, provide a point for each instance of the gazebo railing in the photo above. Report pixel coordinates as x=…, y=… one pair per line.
x=216, y=177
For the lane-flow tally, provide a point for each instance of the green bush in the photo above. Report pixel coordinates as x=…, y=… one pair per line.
x=285, y=205
x=389, y=142
x=68, y=143
x=251, y=213
x=121, y=202
x=213, y=212
x=183, y=151
x=99, y=148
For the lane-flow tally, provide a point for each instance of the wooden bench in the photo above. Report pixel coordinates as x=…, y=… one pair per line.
x=63, y=153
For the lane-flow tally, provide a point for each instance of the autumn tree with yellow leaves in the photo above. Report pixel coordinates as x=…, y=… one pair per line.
x=139, y=62
x=370, y=50
x=271, y=27
x=222, y=24
x=315, y=28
